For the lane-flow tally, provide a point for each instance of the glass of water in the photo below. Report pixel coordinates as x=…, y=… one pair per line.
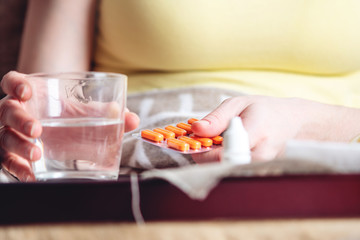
x=82, y=118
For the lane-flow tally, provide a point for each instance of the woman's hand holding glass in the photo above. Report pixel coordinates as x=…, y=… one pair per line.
x=16, y=152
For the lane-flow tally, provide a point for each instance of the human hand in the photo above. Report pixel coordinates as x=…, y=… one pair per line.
x=16, y=152
x=271, y=122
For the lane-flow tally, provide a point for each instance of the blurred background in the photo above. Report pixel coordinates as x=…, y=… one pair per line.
x=12, y=15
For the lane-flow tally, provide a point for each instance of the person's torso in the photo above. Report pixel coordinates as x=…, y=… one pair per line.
x=309, y=36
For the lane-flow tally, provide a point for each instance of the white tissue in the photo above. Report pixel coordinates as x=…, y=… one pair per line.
x=341, y=157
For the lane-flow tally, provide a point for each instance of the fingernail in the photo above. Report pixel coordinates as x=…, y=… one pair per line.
x=29, y=128
x=21, y=90
x=204, y=122
x=35, y=153
x=32, y=154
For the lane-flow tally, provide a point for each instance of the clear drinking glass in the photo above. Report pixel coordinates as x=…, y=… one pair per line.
x=82, y=118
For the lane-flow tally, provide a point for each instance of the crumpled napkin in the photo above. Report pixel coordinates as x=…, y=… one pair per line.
x=301, y=157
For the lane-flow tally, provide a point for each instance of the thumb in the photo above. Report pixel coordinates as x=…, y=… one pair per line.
x=217, y=121
x=16, y=85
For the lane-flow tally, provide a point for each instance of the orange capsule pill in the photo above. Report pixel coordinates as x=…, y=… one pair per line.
x=151, y=135
x=185, y=126
x=191, y=120
x=192, y=142
x=178, y=131
x=206, y=142
x=178, y=144
x=166, y=133
x=217, y=140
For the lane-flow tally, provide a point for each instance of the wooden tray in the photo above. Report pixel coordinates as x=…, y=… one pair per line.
x=309, y=196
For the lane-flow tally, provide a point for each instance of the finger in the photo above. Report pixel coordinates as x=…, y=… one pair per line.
x=17, y=166
x=131, y=121
x=16, y=85
x=217, y=121
x=11, y=141
x=207, y=157
x=13, y=115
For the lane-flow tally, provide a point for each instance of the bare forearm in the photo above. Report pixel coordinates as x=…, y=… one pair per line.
x=332, y=123
x=58, y=36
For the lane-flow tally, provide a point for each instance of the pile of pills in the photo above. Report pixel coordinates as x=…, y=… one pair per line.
x=179, y=138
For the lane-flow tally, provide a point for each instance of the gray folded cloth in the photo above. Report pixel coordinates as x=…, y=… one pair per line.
x=301, y=157
x=6, y=177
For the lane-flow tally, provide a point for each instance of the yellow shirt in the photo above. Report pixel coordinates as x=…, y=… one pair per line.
x=308, y=48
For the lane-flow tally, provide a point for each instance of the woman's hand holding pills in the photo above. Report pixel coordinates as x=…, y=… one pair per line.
x=271, y=122
x=16, y=152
